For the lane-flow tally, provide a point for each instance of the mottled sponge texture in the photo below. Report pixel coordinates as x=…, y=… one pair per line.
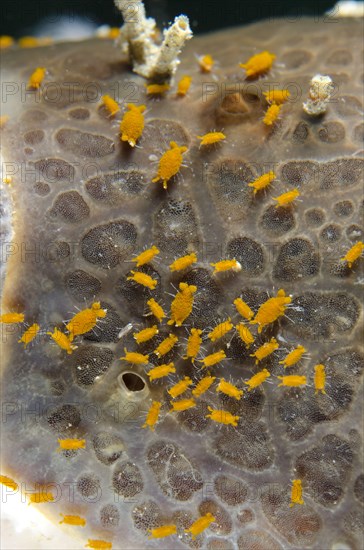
x=82, y=205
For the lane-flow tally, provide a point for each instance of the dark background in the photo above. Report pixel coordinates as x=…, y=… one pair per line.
x=19, y=17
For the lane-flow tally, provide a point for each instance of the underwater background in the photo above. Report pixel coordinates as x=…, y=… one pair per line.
x=19, y=18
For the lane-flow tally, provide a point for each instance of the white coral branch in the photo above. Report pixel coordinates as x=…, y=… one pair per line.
x=155, y=62
x=174, y=39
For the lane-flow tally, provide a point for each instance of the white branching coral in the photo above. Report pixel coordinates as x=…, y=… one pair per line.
x=321, y=89
x=153, y=61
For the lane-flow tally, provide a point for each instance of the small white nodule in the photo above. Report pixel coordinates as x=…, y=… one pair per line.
x=321, y=89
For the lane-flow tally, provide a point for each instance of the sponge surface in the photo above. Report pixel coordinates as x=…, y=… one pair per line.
x=83, y=206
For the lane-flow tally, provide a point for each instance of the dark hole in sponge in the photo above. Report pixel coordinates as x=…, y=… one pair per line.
x=133, y=382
